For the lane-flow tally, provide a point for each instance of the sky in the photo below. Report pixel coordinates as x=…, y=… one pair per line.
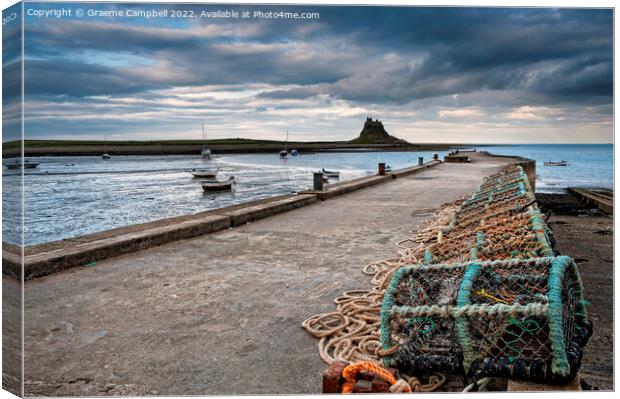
x=449, y=75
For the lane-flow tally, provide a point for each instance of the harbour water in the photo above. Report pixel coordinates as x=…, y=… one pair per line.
x=72, y=196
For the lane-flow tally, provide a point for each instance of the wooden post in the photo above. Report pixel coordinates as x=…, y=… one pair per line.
x=381, y=169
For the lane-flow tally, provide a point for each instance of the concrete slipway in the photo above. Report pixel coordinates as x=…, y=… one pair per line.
x=221, y=313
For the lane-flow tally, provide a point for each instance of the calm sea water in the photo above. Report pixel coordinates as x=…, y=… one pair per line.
x=590, y=166
x=72, y=196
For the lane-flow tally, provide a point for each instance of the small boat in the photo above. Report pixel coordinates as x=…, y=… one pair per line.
x=22, y=165
x=206, y=151
x=331, y=173
x=284, y=153
x=294, y=152
x=105, y=148
x=204, y=173
x=388, y=168
x=216, y=185
x=559, y=163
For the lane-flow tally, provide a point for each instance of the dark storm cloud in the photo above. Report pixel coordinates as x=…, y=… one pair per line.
x=565, y=54
x=491, y=70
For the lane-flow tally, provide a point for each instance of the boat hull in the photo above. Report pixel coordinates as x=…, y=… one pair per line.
x=219, y=187
x=22, y=166
x=207, y=175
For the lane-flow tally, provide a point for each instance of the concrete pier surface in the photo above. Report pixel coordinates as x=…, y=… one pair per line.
x=221, y=313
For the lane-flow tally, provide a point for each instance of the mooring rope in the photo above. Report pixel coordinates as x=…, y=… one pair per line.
x=405, y=384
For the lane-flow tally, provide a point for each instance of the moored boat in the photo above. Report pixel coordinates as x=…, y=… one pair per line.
x=105, y=148
x=553, y=163
x=206, y=151
x=22, y=165
x=204, y=173
x=331, y=173
x=284, y=153
x=216, y=185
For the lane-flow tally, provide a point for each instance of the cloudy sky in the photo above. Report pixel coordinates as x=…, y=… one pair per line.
x=471, y=75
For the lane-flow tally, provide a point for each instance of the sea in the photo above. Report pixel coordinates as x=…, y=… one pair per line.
x=70, y=196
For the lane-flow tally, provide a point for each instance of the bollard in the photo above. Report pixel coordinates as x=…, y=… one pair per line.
x=435, y=157
x=420, y=161
x=318, y=181
x=381, y=169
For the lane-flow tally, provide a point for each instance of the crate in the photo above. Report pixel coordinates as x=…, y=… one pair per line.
x=523, y=319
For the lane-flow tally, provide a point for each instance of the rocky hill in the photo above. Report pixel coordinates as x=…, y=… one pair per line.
x=375, y=133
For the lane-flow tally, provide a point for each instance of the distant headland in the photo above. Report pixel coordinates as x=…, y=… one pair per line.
x=373, y=137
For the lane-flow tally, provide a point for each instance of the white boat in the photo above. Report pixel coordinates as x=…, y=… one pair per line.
x=284, y=152
x=216, y=185
x=331, y=173
x=105, y=148
x=204, y=173
x=206, y=151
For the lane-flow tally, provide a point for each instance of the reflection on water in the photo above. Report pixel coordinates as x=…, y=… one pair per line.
x=72, y=196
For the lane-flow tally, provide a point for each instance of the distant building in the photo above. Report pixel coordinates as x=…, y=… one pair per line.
x=373, y=125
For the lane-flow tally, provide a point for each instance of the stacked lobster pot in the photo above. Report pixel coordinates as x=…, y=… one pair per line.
x=491, y=298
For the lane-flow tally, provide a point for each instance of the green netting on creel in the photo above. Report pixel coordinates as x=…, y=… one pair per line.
x=523, y=319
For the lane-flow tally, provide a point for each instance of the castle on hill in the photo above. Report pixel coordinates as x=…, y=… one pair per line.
x=374, y=133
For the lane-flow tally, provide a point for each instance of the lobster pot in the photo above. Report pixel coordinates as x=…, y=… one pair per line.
x=520, y=319
x=522, y=236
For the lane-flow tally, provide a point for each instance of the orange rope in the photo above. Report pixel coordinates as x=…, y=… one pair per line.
x=352, y=370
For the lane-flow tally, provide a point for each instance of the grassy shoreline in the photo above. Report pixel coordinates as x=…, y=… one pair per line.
x=183, y=147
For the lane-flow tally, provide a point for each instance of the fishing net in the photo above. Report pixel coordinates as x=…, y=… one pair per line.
x=522, y=319
x=488, y=296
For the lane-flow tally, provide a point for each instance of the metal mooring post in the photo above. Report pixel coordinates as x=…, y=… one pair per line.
x=420, y=161
x=318, y=181
x=435, y=157
x=381, y=169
